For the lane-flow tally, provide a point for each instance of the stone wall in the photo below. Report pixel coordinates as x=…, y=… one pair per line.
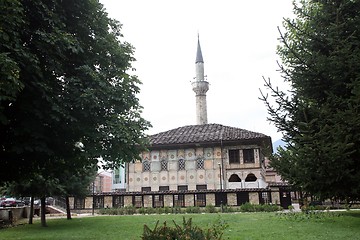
x=231, y=199
x=254, y=198
x=189, y=196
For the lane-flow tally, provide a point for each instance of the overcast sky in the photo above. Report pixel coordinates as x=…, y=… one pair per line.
x=238, y=41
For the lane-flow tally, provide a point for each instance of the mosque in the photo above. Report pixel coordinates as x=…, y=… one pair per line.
x=196, y=165
x=202, y=156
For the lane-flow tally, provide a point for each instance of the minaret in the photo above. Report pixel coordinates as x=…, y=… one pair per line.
x=200, y=87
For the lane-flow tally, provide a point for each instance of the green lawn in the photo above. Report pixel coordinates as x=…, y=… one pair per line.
x=241, y=226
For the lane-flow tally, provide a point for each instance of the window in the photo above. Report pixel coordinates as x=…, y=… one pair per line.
x=264, y=197
x=200, y=199
x=181, y=164
x=138, y=201
x=182, y=188
x=234, y=178
x=116, y=176
x=158, y=201
x=234, y=156
x=146, y=166
x=200, y=163
x=248, y=155
x=242, y=197
x=179, y=200
x=118, y=201
x=79, y=203
x=164, y=165
x=201, y=187
x=98, y=201
x=250, y=178
x=146, y=189
x=164, y=188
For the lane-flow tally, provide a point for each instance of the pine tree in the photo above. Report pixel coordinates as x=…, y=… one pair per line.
x=320, y=115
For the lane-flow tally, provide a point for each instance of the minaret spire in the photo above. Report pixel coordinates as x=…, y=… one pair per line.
x=200, y=87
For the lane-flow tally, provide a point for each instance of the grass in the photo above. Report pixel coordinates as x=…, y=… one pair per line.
x=241, y=226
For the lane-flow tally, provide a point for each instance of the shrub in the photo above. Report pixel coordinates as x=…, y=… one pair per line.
x=247, y=207
x=167, y=210
x=186, y=231
x=227, y=209
x=129, y=210
x=111, y=211
x=193, y=209
x=177, y=209
x=306, y=215
x=210, y=209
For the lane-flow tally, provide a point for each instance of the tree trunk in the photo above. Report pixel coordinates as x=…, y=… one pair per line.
x=42, y=212
x=68, y=213
x=31, y=214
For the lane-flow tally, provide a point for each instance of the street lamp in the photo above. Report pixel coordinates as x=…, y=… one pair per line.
x=220, y=176
x=93, y=195
x=221, y=203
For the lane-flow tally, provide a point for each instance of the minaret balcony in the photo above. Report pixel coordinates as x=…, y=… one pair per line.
x=200, y=87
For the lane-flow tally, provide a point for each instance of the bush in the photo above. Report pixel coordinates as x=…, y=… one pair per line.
x=177, y=210
x=193, y=210
x=186, y=231
x=210, y=209
x=227, y=209
x=111, y=211
x=129, y=210
x=306, y=215
x=248, y=207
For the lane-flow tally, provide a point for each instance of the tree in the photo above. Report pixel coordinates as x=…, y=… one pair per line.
x=319, y=116
x=77, y=185
x=78, y=98
x=71, y=95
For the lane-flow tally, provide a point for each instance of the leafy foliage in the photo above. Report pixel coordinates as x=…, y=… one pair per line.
x=309, y=214
x=319, y=115
x=69, y=98
x=186, y=231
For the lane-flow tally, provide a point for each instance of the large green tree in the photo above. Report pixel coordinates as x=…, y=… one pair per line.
x=67, y=95
x=319, y=115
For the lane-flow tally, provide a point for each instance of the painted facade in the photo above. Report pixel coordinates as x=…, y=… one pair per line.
x=208, y=156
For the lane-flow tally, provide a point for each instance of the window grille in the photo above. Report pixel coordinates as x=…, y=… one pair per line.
x=118, y=201
x=234, y=156
x=79, y=203
x=182, y=188
x=201, y=187
x=138, y=201
x=200, y=163
x=158, y=201
x=248, y=155
x=181, y=164
x=200, y=199
x=146, y=166
x=146, y=189
x=179, y=200
x=98, y=201
x=164, y=165
x=163, y=188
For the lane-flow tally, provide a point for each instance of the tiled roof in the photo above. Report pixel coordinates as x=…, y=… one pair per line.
x=206, y=133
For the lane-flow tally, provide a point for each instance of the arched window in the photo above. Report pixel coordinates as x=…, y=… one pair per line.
x=181, y=164
x=250, y=178
x=234, y=178
x=200, y=163
x=146, y=166
x=164, y=165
